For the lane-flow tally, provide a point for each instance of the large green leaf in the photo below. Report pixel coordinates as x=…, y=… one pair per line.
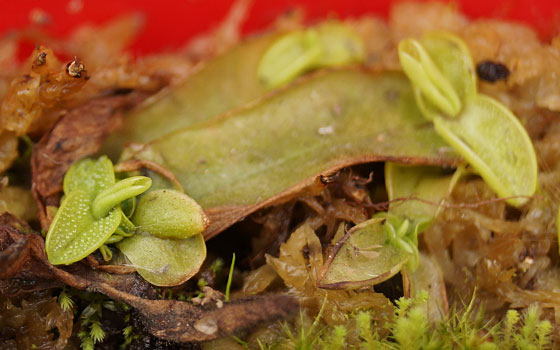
x=266, y=152
x=362, y=258
x=164, y=262
x=227, y=81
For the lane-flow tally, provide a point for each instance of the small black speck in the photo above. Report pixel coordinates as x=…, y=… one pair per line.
x=492, y=71
x=58, y=145
x=305, y=252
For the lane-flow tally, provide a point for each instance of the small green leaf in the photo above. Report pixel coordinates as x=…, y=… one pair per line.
x=289, y=57
x=162, y=261
x=362, y=258
x=112, y=196
x=327, y=45
x=428, y=78
x=74, y=232
x=341, y=45
x=169, y=214
x=429, y=186
x=496, y=145
x=452, y=57
x=89, y=175
x=421, y=182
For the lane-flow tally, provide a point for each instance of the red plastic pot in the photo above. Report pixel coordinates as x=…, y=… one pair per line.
x=169, y=23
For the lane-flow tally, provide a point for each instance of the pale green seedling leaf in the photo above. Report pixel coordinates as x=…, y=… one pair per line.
x=341, y=45
x=289, y=57
x=162, y=261
x=169, y=214
x=427, y=77
x=416, y=182
x=422, y=188
x=496, y=145
x=74, y=232
x=451, y=56
x=362, y=258
x=327, y=45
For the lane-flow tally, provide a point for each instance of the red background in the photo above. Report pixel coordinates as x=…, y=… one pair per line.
x=169, y=23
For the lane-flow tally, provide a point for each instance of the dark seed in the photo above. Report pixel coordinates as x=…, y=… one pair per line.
x=491, y=71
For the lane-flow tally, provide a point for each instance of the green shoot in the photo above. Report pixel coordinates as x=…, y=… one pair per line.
x=230, y=277
x=65, y=300
x=240, y=342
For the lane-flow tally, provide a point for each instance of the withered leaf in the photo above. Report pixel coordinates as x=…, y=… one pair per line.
x=427, y=277
x=267, y=153
x=13, y=258
x=361, y=258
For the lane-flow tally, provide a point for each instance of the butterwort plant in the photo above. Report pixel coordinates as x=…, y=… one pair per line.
x=160, y=234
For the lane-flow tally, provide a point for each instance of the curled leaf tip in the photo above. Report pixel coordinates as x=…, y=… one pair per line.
x=427, y=77
x=119, y=192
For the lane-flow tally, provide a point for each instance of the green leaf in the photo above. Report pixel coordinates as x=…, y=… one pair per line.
x=421, y=182
x=332, y=120
x=408, y=218
x=496, y=145
x=89, y=175
x=169, y=214
x=74, y=232
x=428, y=78
x=289, y=57
x=164, y=262
x=327, y=45
x=451, y=56
x=229, y=80
x=362, y=258
x=341, y=45
x=115, y=194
